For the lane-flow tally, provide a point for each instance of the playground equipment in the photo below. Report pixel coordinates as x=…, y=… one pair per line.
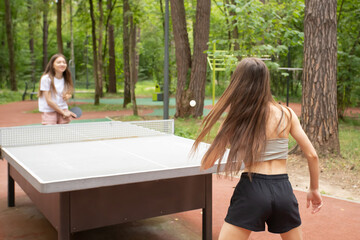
x=159, y=94
x=222, y=60
x=217, y=61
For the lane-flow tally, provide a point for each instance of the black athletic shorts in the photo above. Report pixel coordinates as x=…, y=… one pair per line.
x=266, y=199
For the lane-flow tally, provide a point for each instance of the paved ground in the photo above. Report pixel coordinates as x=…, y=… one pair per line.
x=339, y=219
x=19, y=113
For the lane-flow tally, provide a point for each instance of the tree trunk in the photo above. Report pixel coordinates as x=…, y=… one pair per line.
x=112, y=73
x=126, y=52
x=100, y=46
x=45, y=34
x=235, y=32
x=162, y=15
x=183, y=57
x=133, y=64
x=199, y=63
x=72, y=43
x=31, y=43
x=58, y=27
x=96, y=73
x=319, y=103
x=10, y=41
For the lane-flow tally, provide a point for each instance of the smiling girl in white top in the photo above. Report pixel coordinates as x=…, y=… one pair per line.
x=55, y=89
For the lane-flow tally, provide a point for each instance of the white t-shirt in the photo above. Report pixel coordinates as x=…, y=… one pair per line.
x=45, y=84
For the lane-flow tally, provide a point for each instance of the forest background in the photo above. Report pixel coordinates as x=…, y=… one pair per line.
x=274, y=29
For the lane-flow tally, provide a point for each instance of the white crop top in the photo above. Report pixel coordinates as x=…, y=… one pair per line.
x=276, y=148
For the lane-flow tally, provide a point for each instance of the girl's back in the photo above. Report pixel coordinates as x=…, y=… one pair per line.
x=277, y=128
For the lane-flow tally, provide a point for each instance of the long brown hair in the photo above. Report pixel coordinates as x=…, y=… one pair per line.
x=69, y=87
x=244, y=129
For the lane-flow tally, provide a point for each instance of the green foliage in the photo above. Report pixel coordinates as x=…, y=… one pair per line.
x=348, y=78
x=7, y=96
x=145, y=88
x=264, y=29
x=187, y=128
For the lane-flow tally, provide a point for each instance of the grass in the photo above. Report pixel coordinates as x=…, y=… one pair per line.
x=101, y=107
x=184, y=127
x=349, y=137
x=188, y=127
x=143, y=89
x=94, y=108
x=7, y=96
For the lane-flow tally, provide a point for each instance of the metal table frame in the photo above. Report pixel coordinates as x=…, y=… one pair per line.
x=75, y=211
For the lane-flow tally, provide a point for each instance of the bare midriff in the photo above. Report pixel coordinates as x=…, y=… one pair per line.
x=276, y=166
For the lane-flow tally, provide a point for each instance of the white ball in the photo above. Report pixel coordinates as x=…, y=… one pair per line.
x=192, y=103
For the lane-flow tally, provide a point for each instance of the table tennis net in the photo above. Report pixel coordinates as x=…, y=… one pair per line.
x=65, y=133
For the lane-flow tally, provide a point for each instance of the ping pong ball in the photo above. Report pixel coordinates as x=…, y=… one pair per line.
x=192, y=103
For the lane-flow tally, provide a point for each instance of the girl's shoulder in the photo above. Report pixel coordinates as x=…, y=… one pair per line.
x=288, y=111
x=281, y=113
x=45, y=77
x=280, y=110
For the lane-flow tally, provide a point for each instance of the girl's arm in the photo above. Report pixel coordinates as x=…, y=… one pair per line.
x=54, y=106
x=303, y=141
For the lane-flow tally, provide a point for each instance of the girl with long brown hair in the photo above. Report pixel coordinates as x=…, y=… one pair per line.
x=256, y=131
x=55, y=89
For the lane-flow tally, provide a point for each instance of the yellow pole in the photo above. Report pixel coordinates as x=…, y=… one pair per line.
x=213, y=80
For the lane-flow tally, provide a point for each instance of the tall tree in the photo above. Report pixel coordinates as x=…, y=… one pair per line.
x=319, y=104
x=45, y=33
x=110, y=27
x=72, y=42
x=133, y=63
x=234, y=34
x=126, y=52
x=194, y=89
x=58, y=27
x=95, y=56
x=183, y=56
x=10, y=41
x=31, y=40
x=199, y=63
x=100, y=47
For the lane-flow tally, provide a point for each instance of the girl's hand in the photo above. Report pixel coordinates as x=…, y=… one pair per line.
x=68, y=114
x=66, y=96
x=314, y=197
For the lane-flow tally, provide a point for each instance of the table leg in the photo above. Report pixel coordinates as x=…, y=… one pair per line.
x=207, y=211
x=64, y=232
x=11, y=189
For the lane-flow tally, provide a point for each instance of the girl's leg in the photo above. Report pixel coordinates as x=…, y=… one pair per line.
x=293, y=234
x=231, y=232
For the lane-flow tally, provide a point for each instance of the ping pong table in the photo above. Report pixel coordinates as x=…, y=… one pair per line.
x=89, y=175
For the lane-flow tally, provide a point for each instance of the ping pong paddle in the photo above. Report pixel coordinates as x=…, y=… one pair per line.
x=77, y=111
